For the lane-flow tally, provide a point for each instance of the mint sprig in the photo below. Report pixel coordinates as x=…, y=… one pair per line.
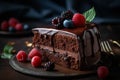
x=6, y=55
x=7, y=52
x=90, y=14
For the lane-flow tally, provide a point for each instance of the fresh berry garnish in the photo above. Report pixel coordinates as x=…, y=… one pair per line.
x=67, y=14
x=36, y=61
x=68, y=24
x=19, y=27
x=102, y=72
x=34, y=52
x=4, y=26
x=12, y=22
x=49, y=66
x=58, y=22
x=21, y=56
x=26, y=27
x=78, y=20
x=11, y=29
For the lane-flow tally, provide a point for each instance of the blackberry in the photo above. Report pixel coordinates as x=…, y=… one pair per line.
x=67, y=14
x=58, y=22
x=49, y=66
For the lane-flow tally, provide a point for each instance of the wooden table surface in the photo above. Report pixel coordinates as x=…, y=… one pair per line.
x=8, y=73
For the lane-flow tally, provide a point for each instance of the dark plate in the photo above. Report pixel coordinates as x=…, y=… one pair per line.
x=5, y=33
x=59, y=72
x=18, y=33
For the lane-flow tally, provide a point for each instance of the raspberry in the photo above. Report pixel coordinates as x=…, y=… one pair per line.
x=58, y=22
x=67, y=14
x=49, y=66
x=19, y=27
x=12, y=22
x=78, y=20
x=102, y=72
x=34, y=52
x=4, y=26
x=36, y=61
x=21, y=56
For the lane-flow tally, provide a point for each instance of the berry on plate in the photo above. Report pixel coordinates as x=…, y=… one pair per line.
x=12, y=22
x=19, y=27
x=68, y=24
x=49, y=66
x=11, y=29
x=36, y=61
x=102, y=72
x=26, y=27
x=4, y=26
x=34, y=52
x=21, y=56
x=78, y=20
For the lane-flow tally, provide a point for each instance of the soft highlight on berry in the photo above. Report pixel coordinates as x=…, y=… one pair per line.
x=102, y=72
x=78, y=20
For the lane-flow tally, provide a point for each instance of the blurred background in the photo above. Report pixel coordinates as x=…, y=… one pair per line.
x=39, y=13
x=107, y=11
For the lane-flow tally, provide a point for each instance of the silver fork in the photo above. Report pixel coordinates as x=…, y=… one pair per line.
x=106, y=47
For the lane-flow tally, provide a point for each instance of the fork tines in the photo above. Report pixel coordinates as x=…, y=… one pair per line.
x=106, y=47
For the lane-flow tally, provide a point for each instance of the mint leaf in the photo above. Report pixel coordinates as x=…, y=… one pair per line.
x=7, y=52
x=90, y=14
x=6, y=56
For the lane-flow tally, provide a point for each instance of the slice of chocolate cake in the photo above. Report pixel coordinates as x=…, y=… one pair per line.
x=75, y=43
x=77, y=48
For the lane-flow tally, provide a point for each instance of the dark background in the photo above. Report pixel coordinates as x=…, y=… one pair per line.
x=108, y=11
x=36, y=12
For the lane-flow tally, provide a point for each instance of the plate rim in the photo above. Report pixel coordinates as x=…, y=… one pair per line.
x=46, y=74
x=5, y=33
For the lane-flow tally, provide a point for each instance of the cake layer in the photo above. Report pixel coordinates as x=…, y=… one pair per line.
x=77, y=49
x=56, y=39
x=70, y=62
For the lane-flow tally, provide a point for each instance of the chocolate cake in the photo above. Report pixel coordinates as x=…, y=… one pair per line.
x=73, y=43
x=77, y=48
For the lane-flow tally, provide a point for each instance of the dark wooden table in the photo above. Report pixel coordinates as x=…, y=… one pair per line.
x=8, y=73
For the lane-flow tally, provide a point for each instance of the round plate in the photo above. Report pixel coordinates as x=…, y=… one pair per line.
x=59, y=72
x=15, y=33
x=18, y=33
